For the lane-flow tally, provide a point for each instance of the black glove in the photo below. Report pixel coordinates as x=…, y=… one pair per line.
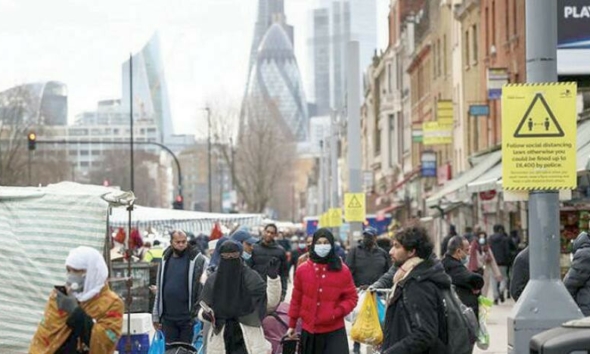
x=207, y=316
x=273, y=268
x=363, y=287
x=67, y=303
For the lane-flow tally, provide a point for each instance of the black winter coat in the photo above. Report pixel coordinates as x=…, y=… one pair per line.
x=367, y=265
x=577, y=279
x=502, y=248
x=520, y=274
x=467, y=283
x=413, y=322
x=261, y=256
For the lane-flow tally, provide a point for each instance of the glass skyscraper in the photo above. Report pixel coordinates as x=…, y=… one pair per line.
x=275, y=85
x=150, y=92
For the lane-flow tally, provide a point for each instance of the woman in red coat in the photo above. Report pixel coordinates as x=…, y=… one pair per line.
x=323, y=294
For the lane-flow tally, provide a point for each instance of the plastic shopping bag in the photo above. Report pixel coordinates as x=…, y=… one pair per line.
x=366, y=329
x=158, y=345
x=381, y=310
x=351, y=317
x=483, y=336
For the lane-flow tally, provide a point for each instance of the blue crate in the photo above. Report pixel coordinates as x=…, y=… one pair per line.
x=140, y=344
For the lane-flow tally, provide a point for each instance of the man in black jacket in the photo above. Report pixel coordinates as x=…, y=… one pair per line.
x=502, y=248
x=467, y=284
x=367, y=262
x=178, y=289
x=413, y=322
x=267, y=249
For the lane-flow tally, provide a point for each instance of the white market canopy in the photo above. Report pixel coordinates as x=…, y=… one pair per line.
x=171, y=219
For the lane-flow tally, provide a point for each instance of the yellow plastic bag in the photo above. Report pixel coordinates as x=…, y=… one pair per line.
x=366, y=328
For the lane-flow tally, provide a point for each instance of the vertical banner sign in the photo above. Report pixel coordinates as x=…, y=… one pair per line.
x=335, y=217
x=573, y=37
x=539, y=136
x=354, y=207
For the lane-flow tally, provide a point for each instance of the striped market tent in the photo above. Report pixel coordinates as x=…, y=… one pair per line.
x=38, y=228
x=165, y=220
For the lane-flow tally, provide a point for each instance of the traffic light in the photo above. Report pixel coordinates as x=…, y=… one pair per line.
x=32, y=137
x=178, y=203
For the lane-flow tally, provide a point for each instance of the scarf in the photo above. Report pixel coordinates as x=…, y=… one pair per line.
x=91, y=260
x=403, y=271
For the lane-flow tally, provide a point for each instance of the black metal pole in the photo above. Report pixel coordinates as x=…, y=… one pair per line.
x=209, y=158
x=131, y=121
x=30, y=158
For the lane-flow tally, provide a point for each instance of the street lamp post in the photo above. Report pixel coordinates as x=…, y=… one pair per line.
x=209, y=158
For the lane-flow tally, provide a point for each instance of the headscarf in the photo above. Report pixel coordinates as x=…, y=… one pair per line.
x=215, y=257
x=332, y=260
x=91, y=260
x=232, y=298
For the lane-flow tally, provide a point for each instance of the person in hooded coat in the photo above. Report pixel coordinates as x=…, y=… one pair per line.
x=413, y=324
x=88, y=318
x=323, y=294
x=577, y=279
x=236, y=296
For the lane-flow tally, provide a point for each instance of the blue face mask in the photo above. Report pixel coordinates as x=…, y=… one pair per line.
x=322, y=250
x=246, y=256
x=482, y=241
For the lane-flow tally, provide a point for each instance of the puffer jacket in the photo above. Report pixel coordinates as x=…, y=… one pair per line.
x=467, y=284
x=502, y=247
x=413, y=318
x=321, y=298
x=261, y=256
x=367, y=265
x=577, y=279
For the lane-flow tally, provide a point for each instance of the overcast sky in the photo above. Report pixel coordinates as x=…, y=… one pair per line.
x=205, y=46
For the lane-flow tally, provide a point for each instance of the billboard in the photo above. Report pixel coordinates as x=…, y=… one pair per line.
x=573, y=37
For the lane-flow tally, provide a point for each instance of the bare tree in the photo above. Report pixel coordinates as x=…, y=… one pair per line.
x=17, y=113
x=262, y=157
x=114, y=168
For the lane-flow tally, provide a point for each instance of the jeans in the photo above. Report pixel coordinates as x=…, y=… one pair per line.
x=500, y=287
x=178, y=330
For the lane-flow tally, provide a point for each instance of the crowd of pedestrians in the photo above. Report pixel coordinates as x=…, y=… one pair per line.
x=236, y=286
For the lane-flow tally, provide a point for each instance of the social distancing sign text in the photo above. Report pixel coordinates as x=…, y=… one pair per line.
x=539, y=136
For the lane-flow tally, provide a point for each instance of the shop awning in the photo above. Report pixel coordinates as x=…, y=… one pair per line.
x=487, y=181
x=468, y=176
x=408, y=177
x=582, y=158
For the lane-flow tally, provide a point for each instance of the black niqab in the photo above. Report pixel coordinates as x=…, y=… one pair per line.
x=332, y=260
x=231, y=297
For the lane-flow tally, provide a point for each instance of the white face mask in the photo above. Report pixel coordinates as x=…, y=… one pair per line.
x=246, y=255
x=76, y=282
x=482, y=241
x=322, y=250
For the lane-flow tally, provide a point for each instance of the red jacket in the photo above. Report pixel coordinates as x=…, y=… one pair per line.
x=321, y=298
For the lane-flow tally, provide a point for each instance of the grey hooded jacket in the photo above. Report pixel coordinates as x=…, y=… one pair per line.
x=577, y=279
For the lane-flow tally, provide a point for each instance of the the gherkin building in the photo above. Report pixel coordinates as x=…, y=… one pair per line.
x=275, y=85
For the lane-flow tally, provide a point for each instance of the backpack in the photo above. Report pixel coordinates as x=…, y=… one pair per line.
x=460, y=325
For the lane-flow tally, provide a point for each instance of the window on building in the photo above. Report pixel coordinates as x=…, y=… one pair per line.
x=95, y=152
x=84, y=152
x=514, y=16
x=507, y=20
x=392, y=141
x=400, y=73
x=487, y=32
x=493, y=34
x=474, y=36
x=73, y=153
x=84, y=164
x=466, y=45
x=377, y=137
x=434, y=53
x=444, y=58
x=389, y=79
x=400, y=138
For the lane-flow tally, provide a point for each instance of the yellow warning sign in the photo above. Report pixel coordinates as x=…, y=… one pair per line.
x=325, y=220
x=539, y=136
x=354, y=207
x=335, y=217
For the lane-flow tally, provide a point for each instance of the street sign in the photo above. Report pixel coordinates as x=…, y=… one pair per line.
x=335, y=217
x=539, y=136
x=354, y=207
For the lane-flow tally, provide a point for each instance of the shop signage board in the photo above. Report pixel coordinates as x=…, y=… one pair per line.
x=539, y=136
x=354, y=207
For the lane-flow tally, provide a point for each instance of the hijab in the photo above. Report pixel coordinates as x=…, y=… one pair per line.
x=93, y=263
x=232, y=298
x=332, y=260
x=215, y=257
